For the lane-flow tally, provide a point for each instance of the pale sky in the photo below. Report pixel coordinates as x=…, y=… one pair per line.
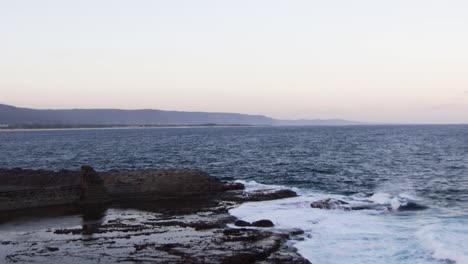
x=366, y=60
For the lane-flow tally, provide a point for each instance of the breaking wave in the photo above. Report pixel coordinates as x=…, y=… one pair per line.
x=384, y=229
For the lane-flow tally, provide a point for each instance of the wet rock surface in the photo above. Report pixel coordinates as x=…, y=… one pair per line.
x=329, y=203
x=198, y=234
x=192, y=229
x=263, y=223
x=259, y=223
x=261, y=195
x=242, y=223
x=400, y=205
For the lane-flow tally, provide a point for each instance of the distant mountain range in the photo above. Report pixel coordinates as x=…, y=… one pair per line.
x=11, y=116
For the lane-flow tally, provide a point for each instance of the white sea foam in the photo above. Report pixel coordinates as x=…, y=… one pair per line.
x=253, y=186
x=363, y=236
x=394, y=201
x=445, y=244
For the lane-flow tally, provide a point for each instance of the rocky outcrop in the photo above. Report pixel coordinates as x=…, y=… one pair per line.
x=92, y=189
x=262, y=195
x=27, y=198
x=161, y=184
x=330, y=203
x=18, y=179
x=23, y=189
x=169, y=225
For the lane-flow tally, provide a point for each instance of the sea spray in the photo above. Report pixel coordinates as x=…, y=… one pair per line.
x=357, y=236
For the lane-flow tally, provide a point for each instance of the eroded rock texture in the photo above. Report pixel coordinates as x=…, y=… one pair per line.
x=156, y=216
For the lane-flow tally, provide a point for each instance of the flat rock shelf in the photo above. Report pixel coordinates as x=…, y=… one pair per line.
x=134, y=217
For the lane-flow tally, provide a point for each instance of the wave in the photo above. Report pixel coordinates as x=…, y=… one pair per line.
x=399, y=202
x=375, y=234
x=442, y=250
x=254, y=186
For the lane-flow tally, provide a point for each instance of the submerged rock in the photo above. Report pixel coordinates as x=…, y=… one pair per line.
x=261, y=195
x=53, y=249
x=332, y=203
x=329, y=203
x=412, y=206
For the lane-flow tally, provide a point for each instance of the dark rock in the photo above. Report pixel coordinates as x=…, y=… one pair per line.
x=412, y=206
x=242, y=223
x=329, y=203
x=284, y=258
x=234, y=232
x=263, y=223
x=89, y=176
x=199, y=236
x=297, y=232
x=53, y=249
x=234, y=186
x=160, y=184
x=190, y=209
x=243, y=258
x=92, y=187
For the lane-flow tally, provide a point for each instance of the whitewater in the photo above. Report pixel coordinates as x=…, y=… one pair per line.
x=392, y=233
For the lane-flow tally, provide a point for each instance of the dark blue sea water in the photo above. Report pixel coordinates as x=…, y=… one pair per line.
x=381, y=164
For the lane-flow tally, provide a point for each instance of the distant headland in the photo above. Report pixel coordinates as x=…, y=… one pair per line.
x=12, y=117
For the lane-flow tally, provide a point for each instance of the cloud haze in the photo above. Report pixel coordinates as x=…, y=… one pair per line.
x=387, y=61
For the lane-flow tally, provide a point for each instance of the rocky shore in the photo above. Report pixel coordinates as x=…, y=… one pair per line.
x=151, y=216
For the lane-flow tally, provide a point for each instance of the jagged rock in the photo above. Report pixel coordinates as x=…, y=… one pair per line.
x=329, y=203
x=263, y=223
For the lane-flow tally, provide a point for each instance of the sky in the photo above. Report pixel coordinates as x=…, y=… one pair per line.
x=400, y=61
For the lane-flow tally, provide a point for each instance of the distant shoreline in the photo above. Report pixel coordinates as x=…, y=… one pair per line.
x=86, y=127
x=77, y=127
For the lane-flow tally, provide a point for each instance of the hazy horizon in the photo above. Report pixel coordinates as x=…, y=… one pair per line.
x=391, y=62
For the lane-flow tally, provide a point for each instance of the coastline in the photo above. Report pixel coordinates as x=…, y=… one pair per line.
x=99, y=127
x=190, y=229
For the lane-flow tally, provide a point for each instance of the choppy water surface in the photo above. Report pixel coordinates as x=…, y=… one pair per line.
x=381, y=165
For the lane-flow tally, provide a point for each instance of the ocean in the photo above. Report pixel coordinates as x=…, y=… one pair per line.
x=413, y=179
